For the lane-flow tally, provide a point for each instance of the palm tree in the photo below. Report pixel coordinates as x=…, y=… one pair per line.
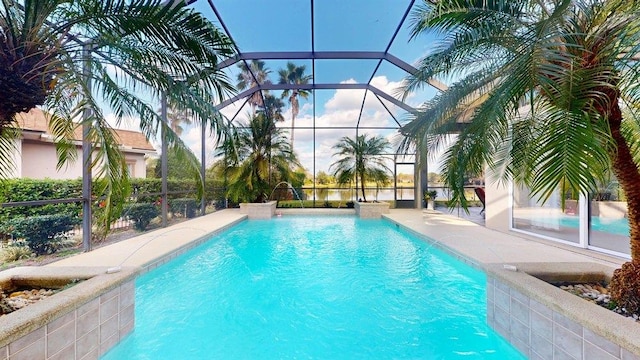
x=177, y=118
x=542, y=92
x=256, y=152
x=273, y=108
x=294, y=75
x=73, y=57
x=360, y=159
x=251, y=76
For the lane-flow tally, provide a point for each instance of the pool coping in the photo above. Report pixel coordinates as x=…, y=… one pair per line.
x=579, y=316
x=96, y=281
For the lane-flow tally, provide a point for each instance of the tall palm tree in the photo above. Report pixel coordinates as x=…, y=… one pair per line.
x=257, y=151
x=251, y=76
x=294, y=75
x=273, y=108
x=542, y=87
x=177, y=118
x=360, y=158
x=73, y=57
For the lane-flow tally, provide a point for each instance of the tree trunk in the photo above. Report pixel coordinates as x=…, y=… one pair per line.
x=625, y=283
x=364, y=197
x=628, y=176
x=294, y=112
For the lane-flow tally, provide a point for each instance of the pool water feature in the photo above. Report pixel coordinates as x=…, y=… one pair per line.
x=313, y=287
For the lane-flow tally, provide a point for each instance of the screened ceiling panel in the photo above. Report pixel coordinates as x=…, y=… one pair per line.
x=390, y=72
x=349, y=48
x=275, y=65
x=337, y=71
x=287, y=29
x=362, y=25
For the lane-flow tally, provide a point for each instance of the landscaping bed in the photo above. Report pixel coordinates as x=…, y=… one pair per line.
x=11, y=301
x=597, y=293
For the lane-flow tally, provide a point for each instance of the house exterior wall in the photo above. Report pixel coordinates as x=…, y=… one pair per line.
x=137, y=165
x=38, y=161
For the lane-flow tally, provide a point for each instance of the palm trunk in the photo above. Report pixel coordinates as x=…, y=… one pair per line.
x=625, y=283
x=293, y=122
x=628, y=176
x=364, y=197
x=294, y=112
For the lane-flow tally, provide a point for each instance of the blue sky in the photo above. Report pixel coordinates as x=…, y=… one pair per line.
x=354, y=25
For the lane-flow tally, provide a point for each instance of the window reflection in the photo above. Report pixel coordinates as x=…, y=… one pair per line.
x=609, y=223
x=548, y=218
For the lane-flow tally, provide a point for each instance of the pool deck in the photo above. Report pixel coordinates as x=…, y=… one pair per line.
x=146, y=249
x=471, y=240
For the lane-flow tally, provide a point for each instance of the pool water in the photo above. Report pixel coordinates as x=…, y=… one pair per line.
x=313, y=287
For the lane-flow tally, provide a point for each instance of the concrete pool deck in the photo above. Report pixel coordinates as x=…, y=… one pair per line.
x=148, y=248
x=566, y=320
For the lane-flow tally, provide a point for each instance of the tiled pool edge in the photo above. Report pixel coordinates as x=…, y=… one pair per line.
x=542, y=333
x=545, y=322
x=622, y=335
x=97, y=312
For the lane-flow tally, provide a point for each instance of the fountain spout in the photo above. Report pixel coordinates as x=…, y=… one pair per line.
x=289, y=186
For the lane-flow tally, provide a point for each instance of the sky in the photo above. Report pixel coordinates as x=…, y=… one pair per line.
x=354, y=25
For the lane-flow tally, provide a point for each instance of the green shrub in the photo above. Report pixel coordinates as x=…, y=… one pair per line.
x=44, y=234
x=14, y=251
x=16, y=190
x=141, y=214
x=186, y=206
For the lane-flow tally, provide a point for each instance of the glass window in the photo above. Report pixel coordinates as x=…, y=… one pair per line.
x=548, y=218
x=609, y=226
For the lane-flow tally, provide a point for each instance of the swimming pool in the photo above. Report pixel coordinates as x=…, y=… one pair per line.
x=313, y=287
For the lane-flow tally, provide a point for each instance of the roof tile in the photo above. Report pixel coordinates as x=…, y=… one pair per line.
x=36, y=120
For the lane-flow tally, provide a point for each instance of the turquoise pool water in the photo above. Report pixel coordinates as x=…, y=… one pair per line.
x=313, y=287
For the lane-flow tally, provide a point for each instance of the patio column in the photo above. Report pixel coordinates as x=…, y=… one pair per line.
x=163, y=158
x=86, y=156
x=203, y=170
x=421, y=182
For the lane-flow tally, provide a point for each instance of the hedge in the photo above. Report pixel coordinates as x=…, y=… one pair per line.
x=141, y=214
x=186, y=207
x=28, y=190
x=16, y=190
x=44, y=234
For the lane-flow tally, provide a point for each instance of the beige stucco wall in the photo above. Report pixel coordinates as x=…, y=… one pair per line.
x=39, y=161
x=139, y=166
